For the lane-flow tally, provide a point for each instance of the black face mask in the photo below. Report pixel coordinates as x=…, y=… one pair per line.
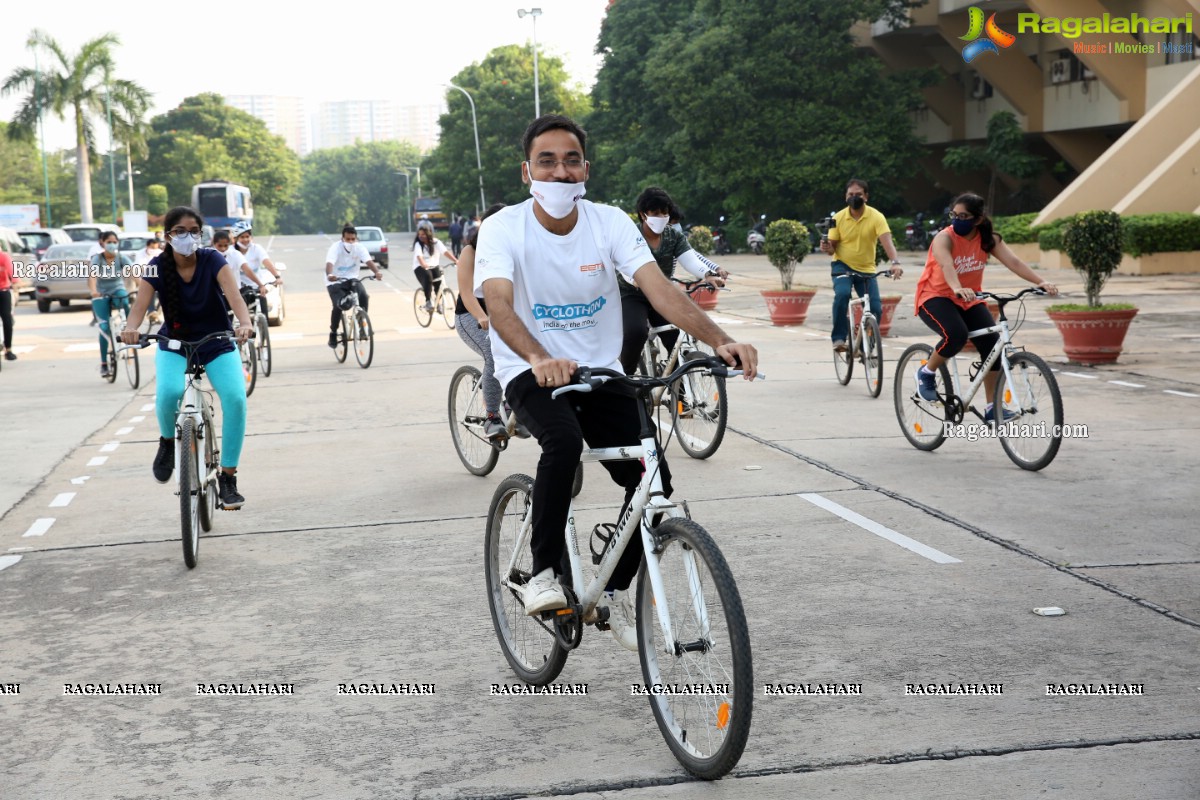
x=857, y=202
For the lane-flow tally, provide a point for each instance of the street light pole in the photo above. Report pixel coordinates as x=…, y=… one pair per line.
x=112, y=170
x=37, y=91
x=478, y=159
x=537, y=101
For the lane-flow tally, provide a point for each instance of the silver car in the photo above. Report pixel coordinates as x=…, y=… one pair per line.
x=375, y=242
x=52, y=281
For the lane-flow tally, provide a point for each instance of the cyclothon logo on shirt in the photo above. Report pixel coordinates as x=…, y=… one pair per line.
x=968, y=264
x=570, y=317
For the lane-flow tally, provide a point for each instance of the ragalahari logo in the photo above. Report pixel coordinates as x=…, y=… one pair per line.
x=996, y=38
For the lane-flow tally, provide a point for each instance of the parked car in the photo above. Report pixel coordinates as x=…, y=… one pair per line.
x=38, y=239
x=90, y=232
x=133, y=243
x=21, y=253
x=375, y=242
x=62, y=275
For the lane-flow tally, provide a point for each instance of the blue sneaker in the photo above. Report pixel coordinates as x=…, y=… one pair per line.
x=989, y=414
x=926, y=385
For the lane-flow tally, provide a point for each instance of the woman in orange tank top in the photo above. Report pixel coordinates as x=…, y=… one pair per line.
x=946, y=290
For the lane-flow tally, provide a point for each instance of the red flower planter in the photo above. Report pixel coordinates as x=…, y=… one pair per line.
x=788, y=307
x=887, y=308
x=706, y=298
x=1093, y=337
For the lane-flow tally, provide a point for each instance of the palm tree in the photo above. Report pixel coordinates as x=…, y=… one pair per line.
x=82, y=83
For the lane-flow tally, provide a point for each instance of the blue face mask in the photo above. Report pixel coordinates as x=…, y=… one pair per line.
x=963, y=227
x=110, y=247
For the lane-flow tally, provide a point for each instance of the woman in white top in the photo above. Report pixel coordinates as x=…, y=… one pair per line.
x=427, y=258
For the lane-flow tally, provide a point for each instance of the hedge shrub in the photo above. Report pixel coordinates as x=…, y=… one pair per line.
x=1175, y=232
x=1016, y=229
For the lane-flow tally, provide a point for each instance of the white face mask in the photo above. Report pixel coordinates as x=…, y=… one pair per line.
x=186, y=244
x=557, y=199
x=657, y=224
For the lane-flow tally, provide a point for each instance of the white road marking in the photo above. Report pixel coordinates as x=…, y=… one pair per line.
x=81, y=480
x=814, y=335
x=8, y=561
x=1081, y=375
x=108, y=448
x=23, y=349
x=137, y=419
x=39, y=526
x=1130, y=385
x=1180, y=394
x=874, y=527
x=82, y=347
x=148, y=407
x=279, y=337
x=124, y=431
x=62, y=500
x=96, y=461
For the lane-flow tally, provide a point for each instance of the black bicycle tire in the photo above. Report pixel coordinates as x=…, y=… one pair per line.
x=457, y=421
x=1056, y=425
x=263, y=344
x=692, y=536
x=903, y=397
x=722, y=421
x=111, y=359
x=872, y=341
x=419, y=312
x=133, y=367
x=248, y=347
x=342, y=350
x=556, y=658
x=448, y=302
x=189, y=500
x=361, y=317
x=208, y=491
x=577, y=483
x=843, y=362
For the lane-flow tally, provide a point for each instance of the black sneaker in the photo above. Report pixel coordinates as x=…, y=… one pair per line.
x=104, y=370
x=9, y=355
x=164, y=460
x=227, y=491
x=333, y=340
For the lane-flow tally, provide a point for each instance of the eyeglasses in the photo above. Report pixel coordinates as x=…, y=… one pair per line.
x=963, y=215
x=179, y=230
x=551, y=163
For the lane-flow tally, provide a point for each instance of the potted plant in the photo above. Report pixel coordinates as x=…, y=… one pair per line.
x=787, y=244
x=887, y=312
x=700, y=238
x=1093, y=333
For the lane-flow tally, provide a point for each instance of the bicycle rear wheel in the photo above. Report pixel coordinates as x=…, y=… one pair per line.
x=424, y=318
x=1032, y=439
x=133, y=368
x=364, y=338
x=709, y=645
x=699, y=410
x=872, y=355
x=343, y=343
x=262, y=343
x=189, y=491
x=111, y=359
x=446, y=305
x=207, y=479
x=249, y=365
x=843, y=362
x=921, y=421
x=532, y=652
x=468, y=412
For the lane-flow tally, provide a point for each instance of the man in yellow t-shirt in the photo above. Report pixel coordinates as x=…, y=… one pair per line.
x=851, y=242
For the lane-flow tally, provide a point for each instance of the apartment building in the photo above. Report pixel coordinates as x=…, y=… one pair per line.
x=285, y=116
x=342, y=123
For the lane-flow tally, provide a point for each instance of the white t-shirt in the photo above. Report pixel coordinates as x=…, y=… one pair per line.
x=255, y=255
x=347, y=258
x=564, y=287
x=434, y=260
x=236, y=261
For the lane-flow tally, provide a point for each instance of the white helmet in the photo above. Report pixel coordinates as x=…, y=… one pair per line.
x=240, y=227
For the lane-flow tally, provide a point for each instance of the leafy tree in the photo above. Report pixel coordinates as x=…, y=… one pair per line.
x=1004, y=153
x=752, y=106
x=502, y=88
x=204, y=138
x=21, y=180
x=156, y=199
x=356, y=184
x=83, y=84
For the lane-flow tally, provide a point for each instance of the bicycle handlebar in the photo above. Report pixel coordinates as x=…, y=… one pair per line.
x=586, y=379
x=146, y=338
x=693, y=286
x=1008, y=298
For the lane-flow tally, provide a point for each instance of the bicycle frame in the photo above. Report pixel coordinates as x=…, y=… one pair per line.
x=1000, y=351
x=650, y=351
x=193, y=404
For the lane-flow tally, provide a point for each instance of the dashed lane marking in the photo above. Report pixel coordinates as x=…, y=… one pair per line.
x=62, y=500
x=1179, y=394
x=111, y=446
x=96, y=461
x=82, y=347
x=137, y=419
x=39, y=526
x=124, y=431
x=8, y=561
x=1130, y=385
x=81, y=480
x=147, y=407
x=871, y=526
x=1081, y=375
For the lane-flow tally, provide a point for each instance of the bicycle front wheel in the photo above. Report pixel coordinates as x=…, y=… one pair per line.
x=262, y=343
x=343, y=343
x=872, y=357
x=921, y=421
x=364, y=338
x=699, y=411
x=1031, y=438
x=424, y=317
x=133, y=368
x=249, y=365
x=189, y=492
x=708, y=644
x=446, y=305
x=532, y=651
x=207, y=478
x=111, y=377
x=843, y=362
x=468, y=413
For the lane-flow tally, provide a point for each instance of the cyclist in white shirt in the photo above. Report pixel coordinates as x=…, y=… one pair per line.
x=428, y=251
x=343, y=263
x=255, y=254
x=548, y=271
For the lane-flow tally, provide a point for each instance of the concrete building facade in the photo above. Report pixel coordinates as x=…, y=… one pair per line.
x=285, y=116
x=342, y=123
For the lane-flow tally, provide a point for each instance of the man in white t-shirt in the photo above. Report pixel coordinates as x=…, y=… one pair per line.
x=343, y=262
x=547, y=269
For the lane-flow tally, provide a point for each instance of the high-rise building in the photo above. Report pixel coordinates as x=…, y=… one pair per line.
x=341, y=123
x=285, y=116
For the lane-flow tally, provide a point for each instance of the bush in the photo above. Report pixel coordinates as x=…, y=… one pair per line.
x=1092, y=240
x=899, y=239
x=1016, y=229
x=1160, y=233
x=700, y=238
x=1049, y=236
x=787, y=245
x=156, y=199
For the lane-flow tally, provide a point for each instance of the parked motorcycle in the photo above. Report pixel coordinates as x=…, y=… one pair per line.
x=756, y=239
x=720, y=243
x=916, y=234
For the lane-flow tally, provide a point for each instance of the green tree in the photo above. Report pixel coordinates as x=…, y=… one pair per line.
x=156, y=199
x=1004, y=153
x=502, y=88
x=83, y=84
x=203, y=138
x=751, y=106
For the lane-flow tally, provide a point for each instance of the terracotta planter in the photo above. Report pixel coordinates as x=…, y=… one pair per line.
x=706, y=298
x=788, y=307
x=993, y=307
x=887, y=310
x=1093, y=337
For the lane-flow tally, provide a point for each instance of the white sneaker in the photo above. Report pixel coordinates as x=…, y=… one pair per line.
x=542, y=593
x=622, y=618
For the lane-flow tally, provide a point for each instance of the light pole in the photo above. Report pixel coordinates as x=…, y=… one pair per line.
x=112, y=170
x=478, y=160
x=37, y=90
x=407, y=201
x=537, y=101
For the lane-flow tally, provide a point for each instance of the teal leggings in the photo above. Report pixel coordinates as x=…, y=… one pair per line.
x=102, y=307
x=225, y=374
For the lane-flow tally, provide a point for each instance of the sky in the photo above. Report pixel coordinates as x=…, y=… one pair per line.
x=367, y=51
